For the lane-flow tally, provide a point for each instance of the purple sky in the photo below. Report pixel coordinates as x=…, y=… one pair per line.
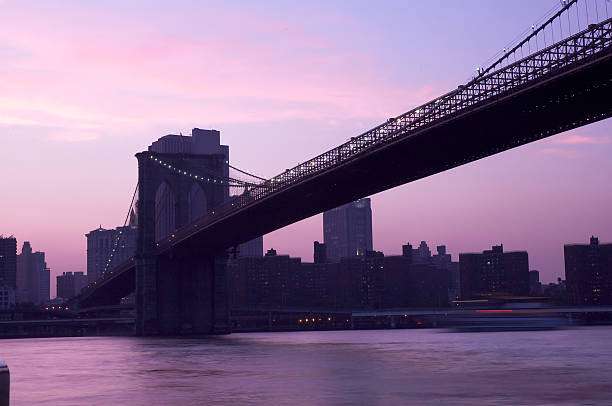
x=85, y=85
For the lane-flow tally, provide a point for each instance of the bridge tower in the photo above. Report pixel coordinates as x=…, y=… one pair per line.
x=180, y=291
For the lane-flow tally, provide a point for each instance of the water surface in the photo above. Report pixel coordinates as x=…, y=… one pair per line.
x=376, y=367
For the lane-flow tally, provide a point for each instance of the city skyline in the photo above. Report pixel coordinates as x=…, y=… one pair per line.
x=74, y=152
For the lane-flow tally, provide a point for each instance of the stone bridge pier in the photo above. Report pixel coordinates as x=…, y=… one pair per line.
x=180, y=290
x=181, y=293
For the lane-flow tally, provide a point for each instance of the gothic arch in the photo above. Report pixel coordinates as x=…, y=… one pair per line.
x=196, y=202
x=165, y=211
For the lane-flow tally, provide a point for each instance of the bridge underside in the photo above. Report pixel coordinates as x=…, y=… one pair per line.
x=554, y=105
x=111, y=290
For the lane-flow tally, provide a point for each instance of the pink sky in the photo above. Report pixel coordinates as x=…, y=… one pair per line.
x=85, y=85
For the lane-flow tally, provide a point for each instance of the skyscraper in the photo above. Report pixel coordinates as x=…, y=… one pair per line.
x=33, y=283
x=347, y=230
x=8, y=271
x=588, y=273
x=320, y=253
x=253, y=248
x=8, y=262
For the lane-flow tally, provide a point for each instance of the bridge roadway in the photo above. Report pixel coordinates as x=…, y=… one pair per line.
x=508, y=109
x=564, y=86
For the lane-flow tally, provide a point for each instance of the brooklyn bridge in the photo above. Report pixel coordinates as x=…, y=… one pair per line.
x=193, y=208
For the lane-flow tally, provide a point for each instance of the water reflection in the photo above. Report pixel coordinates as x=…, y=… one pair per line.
x=380, y=367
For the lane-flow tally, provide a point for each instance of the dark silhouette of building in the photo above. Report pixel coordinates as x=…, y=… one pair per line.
x=70, y=284
x=33, y=276
x=320, y=253
x=365, y=280
x=420, y=255
x=494, y=272
x=535, y=287
x=347, y=230
x=267, y=281
x=8, y=262
x=557, y=292
x=253, y=248
x=8, y=272
x=312, y=286
x=369, y=281
x=444, y=261
x=588, y=272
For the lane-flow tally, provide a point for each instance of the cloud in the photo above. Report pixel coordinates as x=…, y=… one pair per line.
x=83, y=74
x=562, y=152
x=579, y=139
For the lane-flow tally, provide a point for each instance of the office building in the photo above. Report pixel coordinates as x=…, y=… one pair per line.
x=8, y=262
x=107, y=248
x=419, y=279
x=347, y=230
x=265, y=281
x=8, y=272
x=494, y=273
x=44, y=285
x=33, y=284
x=535, y=287
x=444, y=261
x=70, y=284
x=253, y=248
x=7, y=297
x=320, y=253
x=361, y=281
x=588, y=273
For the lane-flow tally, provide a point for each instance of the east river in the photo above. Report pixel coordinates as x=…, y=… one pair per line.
x=375, y=367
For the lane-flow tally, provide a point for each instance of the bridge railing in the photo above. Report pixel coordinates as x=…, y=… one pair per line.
x=591, y=41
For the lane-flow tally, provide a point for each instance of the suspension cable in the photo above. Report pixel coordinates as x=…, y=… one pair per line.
x=529, y=37
x=125, y=222
x=247, y=173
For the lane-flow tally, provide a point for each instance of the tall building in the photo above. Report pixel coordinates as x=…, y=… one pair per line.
x=535, y=287
x=363, y=280
x=588, y=273
x=107, y=248
x=8, y=272
x=420, y=255
x=419, y=279
x=7, y=297
x=320, y=253
x=253, y=248
x=70, y=284
x=494, y=272
x=347, y=230
x=8, y=262
x=44, y=285
x=33, y=284
x=444, y=261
